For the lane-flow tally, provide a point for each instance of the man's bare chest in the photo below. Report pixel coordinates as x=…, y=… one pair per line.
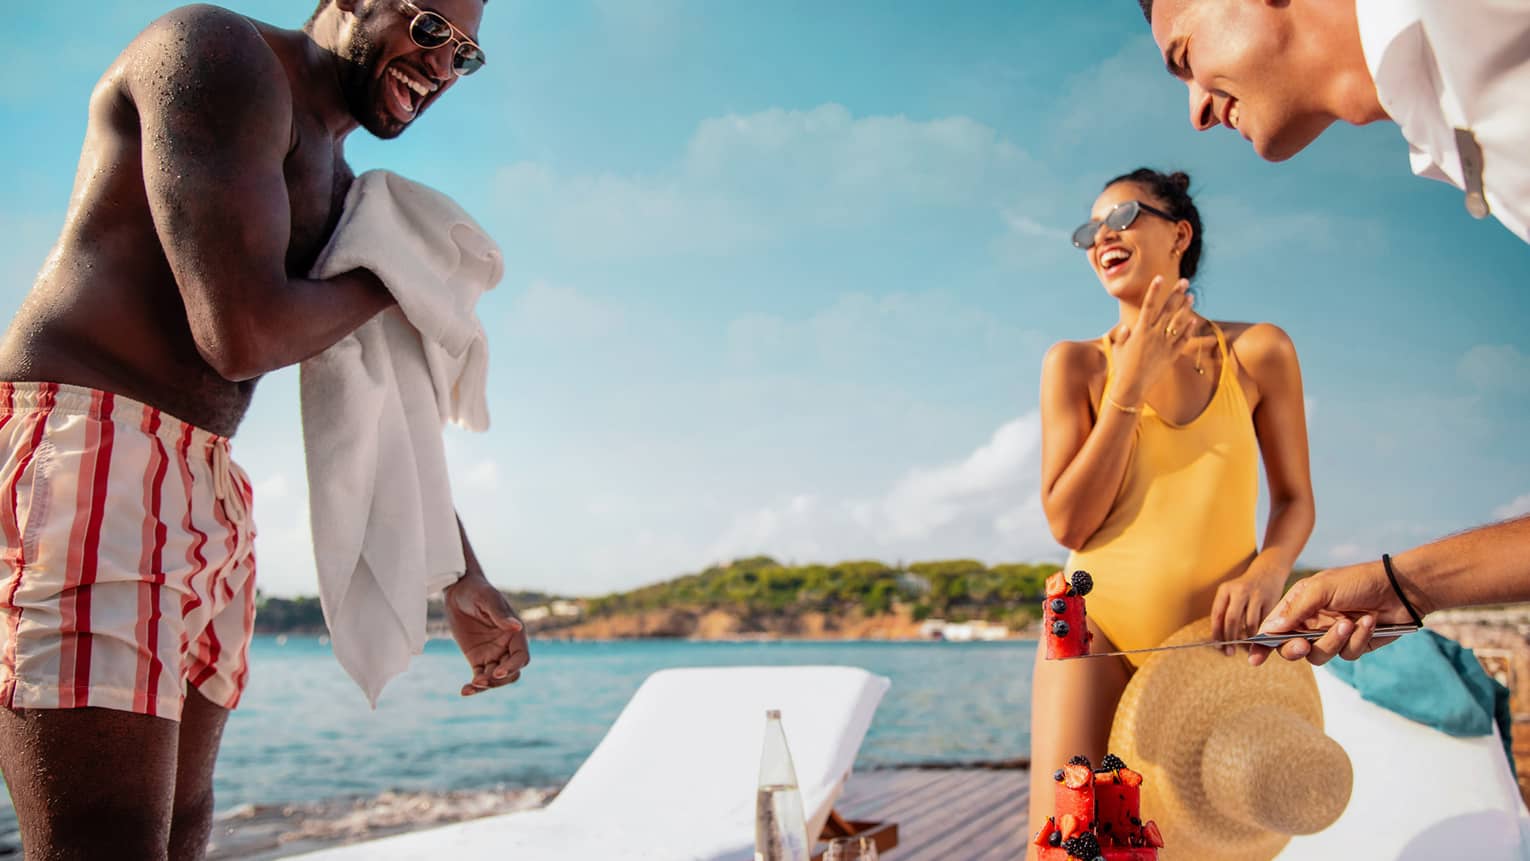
x=317, y=181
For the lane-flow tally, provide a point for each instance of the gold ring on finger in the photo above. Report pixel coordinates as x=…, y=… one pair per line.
x=1172, y=331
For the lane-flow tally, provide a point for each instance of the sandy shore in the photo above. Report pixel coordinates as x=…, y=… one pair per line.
x=257, y=832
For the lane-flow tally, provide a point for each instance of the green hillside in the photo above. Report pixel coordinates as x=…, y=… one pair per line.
x=955, y=589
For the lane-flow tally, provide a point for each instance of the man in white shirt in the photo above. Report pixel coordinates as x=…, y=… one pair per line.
x=1453, y=74
x=1455, y=77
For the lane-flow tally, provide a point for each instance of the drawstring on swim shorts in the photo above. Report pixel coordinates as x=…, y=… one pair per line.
x=225, y=488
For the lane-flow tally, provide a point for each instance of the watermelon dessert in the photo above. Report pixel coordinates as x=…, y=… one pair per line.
x=1074, y=803
x=1062, y=618
x=1097, y=815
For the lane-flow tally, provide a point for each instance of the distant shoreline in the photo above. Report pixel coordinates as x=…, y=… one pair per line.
x=553, y=636
x=562, y=619
x=759, y=597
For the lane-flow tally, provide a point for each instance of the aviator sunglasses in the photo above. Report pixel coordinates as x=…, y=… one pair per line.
x=431, y=30
x=1119, y=218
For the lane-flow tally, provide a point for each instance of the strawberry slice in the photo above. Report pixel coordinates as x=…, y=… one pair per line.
x=1075, y=776
x=1069, y=826
x=1151, y=833
x=1043, y=836
x=1057, y=585
x=1130, y=778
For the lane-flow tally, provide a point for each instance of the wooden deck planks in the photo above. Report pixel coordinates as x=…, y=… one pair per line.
x=962, y=827
x=951, y=815
x=912, y=791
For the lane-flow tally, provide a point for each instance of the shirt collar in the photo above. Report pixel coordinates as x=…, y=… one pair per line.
x=1382, y=24
x=1404, y=70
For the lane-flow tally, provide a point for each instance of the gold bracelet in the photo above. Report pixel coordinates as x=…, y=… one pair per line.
x=1123, y=408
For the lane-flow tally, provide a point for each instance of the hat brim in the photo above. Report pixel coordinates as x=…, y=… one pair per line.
x=1165, y=715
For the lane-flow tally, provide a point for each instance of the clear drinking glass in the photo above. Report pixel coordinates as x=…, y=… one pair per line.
x=851, y=849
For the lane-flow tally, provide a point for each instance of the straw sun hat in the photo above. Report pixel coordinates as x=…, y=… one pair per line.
x=1233, y=757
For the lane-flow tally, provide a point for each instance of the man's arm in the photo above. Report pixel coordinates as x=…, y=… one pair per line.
x=1490, y=565
x=215, y=113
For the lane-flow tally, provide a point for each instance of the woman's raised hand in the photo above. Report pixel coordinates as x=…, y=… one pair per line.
x=1149, y=346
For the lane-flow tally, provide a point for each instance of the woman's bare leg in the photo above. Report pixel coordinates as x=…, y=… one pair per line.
x=1072, y=706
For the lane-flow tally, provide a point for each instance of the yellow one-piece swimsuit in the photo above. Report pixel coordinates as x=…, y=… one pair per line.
x=1183, y=520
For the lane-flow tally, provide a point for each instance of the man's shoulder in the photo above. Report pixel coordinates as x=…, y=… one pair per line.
x=203, y=39
x=207, y=50
x=215, y=27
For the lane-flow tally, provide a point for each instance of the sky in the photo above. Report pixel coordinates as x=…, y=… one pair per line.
x=780, y=276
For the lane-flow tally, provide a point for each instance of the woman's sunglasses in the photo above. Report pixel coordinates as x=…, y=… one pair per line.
x=1119, y=218
x=431, y=30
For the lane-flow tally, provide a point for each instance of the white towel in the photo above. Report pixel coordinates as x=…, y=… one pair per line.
x=385, y=532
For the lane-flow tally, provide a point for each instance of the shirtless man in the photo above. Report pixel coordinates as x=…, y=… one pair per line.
x=213, y=173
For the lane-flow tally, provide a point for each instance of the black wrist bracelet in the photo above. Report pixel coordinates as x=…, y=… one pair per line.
x=1386, y=562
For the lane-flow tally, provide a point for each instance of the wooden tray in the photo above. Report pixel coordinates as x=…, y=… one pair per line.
x=884, y=834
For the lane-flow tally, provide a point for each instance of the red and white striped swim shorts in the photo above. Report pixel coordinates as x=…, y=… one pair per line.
x=129, y=562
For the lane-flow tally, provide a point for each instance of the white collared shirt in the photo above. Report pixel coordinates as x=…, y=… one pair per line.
x=1443, y=65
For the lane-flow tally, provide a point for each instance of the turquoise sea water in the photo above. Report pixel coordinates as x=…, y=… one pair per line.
x=304, y=732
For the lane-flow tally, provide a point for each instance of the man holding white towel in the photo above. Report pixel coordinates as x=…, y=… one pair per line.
x=211, y=176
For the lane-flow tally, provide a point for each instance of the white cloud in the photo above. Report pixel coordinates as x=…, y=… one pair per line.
x=545, y=310
x=749, y=180
x=1347, y=553
x=1519, y=507
x=1367, y=543
x=1241, y=229
x=1027, y=226
x=483, y=475
x=612, y=216
x=649, y=30
x=272, y=488
x=1028, y=242
x=1496, y=368
x=284, y=544
x=1128, y=86
x=647, y=556
x=802, y=527
x=985, y=504
x=837, y=162
x=892, y=335
x=985, y=484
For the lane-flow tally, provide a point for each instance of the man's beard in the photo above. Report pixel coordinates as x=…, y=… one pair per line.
x=356, y=85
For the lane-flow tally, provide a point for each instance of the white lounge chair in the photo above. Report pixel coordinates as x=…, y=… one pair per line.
x=674, y=779
x=1419, y=794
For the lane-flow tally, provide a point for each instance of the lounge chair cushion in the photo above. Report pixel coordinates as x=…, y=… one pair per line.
x=674, y=779
x=1419, y=794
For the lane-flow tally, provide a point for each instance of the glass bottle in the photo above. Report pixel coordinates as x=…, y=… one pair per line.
x=780, y=829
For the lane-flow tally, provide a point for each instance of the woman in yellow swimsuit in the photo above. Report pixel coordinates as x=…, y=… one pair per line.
x=1151, y=441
